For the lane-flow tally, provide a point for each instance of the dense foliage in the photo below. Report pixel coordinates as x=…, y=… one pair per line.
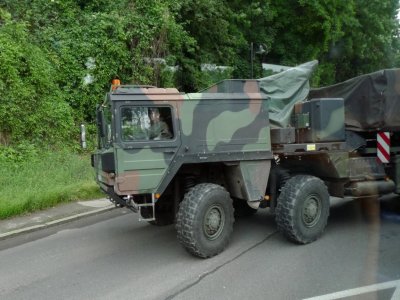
x=57, y=56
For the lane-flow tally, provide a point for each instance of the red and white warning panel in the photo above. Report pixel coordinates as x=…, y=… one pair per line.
x=383, y=146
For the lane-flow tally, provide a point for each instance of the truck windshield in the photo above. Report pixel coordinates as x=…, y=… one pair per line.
x=140, y=123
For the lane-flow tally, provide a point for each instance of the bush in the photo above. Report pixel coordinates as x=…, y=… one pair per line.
x=32, y=108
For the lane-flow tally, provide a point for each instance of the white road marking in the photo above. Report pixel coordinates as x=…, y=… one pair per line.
x=396, y=294
x=363, y=290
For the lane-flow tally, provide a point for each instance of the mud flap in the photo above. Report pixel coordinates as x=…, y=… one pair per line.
x=248, y=179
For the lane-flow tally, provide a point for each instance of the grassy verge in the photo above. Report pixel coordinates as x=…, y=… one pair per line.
x=44, y=182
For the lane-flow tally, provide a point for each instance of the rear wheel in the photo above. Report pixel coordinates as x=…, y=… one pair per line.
x=303, y=209
x=205, y=220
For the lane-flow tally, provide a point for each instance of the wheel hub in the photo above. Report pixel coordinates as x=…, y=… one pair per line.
x=311, y=211
x=214, y=221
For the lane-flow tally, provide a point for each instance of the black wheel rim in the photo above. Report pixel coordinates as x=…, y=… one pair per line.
x=214, y=221
x=311, y=210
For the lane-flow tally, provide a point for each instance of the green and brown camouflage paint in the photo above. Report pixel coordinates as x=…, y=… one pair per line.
x=208, y=127
x=227, y=123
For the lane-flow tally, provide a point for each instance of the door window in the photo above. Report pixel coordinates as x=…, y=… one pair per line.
x=141, y=123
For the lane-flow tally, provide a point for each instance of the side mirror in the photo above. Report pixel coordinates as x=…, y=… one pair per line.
x=83, y=136
x=100, y=123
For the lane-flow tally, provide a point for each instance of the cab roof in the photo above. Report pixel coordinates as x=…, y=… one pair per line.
x=143, y=90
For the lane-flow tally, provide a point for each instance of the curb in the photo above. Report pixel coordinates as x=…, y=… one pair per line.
x=16, y=232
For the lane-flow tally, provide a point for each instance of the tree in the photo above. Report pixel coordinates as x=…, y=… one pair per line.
x=31, y=106
x=347, y=37
x=252, y=22
x=58, y=57
x=90, y=42
x=370, y=41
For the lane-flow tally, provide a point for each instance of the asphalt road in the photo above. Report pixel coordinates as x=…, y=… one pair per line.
x=114, y=256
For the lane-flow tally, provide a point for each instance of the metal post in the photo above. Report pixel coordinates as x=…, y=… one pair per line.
x=260, y=51
x=251, y=58
x=83, y=136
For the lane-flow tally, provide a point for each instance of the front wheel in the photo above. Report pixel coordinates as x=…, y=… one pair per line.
x=205, y=219
x=303, y=209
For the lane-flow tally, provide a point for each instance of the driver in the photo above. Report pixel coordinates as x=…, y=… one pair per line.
x=158, y=130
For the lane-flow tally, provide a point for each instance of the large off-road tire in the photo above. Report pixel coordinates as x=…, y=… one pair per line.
x=205, y=219
x=303, y=209
x=242, y=209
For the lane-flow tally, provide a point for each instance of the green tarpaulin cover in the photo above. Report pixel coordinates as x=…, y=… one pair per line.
x=281, y=91
x=284, y=90
x=372, y=101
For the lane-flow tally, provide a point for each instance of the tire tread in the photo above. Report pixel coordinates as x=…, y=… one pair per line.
x=186, y=219
x=285, y=210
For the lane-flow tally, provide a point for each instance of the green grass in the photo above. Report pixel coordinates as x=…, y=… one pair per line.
x=44, y=182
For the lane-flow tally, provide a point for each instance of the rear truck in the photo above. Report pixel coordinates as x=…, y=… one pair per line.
x=244, y=145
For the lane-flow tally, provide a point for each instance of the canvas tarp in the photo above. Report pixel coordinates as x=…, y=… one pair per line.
x=372, y=101
x=284, y=90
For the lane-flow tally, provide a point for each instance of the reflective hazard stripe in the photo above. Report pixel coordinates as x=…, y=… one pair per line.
x=383, y=146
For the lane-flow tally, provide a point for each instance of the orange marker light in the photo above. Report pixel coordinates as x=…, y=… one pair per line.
x=157, y=196
x=115, y=83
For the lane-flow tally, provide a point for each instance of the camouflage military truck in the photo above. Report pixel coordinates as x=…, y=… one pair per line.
x=200, y=159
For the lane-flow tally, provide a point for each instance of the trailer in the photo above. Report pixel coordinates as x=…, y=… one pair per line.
x=201, y=159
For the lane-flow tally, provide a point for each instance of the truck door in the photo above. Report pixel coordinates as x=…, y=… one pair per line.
x=148, y=140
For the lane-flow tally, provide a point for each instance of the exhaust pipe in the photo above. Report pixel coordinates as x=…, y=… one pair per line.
x=370, y=188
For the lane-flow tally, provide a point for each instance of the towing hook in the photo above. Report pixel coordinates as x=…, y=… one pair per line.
x=131, y=204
